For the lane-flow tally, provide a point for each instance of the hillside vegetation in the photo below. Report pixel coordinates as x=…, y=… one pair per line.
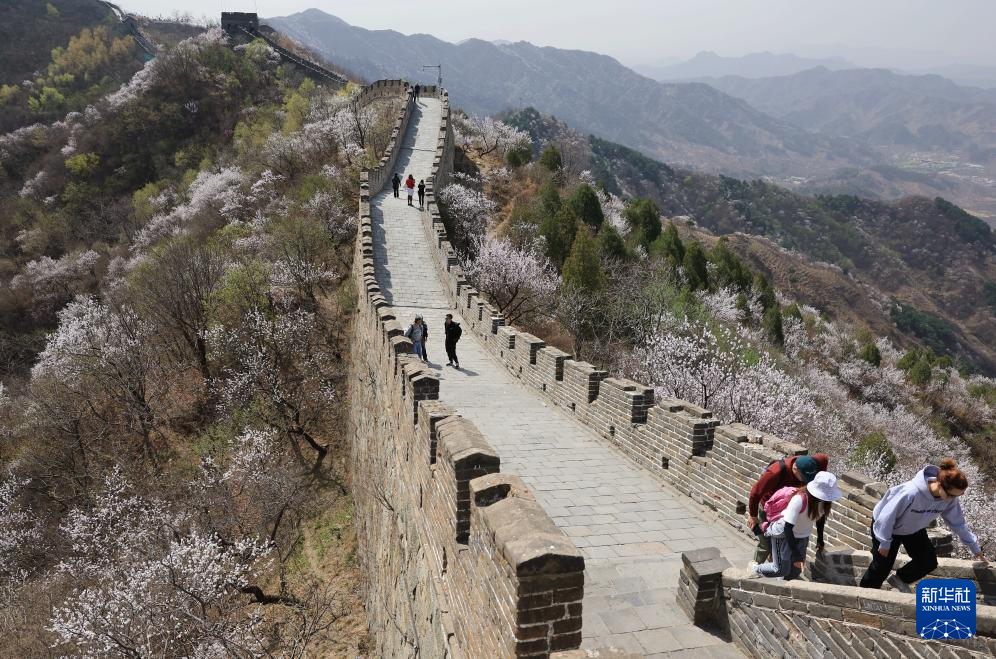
x=175, y=308
x=927, y=255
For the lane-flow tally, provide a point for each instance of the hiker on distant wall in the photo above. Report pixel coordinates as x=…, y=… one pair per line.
x=410, y=186
x=794, y=471
x=792, y=512
x=396, y=184
x=453, y=333
x=418, y=332
x=421, y=194
x=902, y=518
x=418, y=88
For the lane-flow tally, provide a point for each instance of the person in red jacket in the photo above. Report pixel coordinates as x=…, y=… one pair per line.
x=793, y=471
x=410, y=185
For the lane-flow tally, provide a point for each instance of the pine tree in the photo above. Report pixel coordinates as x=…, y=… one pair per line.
x=695, y=267
x=765, y=291
x=772, y=324
x=645, y=218
x=559, y=230
x=583, y=269
x=550, y=159
x=730, y=269
x=611, y=244
x=584, y=201
x=668, y=246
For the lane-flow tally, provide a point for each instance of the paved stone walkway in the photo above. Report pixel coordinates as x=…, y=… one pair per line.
x=631, y=527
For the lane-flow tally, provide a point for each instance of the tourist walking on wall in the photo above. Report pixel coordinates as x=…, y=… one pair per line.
x=453, y=333
x=396, y=184
x=418, y=332
x=902, y=518
x=421, y=194
x=418, y=88
x=410, y=185
x=793, y=471
x=792, y=524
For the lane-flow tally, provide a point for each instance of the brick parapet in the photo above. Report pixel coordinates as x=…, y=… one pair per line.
x=774, y=617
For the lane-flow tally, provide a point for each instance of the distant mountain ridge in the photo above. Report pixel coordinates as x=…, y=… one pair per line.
x=687, y=124
x=707, y=64
x=690, y=124
x=925, y=122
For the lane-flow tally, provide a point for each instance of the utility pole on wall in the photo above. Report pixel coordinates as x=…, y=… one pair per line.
x=439, y=67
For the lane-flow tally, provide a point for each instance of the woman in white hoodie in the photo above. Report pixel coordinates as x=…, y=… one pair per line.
x=902, y=518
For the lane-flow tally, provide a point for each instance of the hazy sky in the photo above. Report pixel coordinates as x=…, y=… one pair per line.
x=908, y=33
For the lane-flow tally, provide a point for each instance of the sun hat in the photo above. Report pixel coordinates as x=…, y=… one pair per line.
x=808, y=467
x=824, y=487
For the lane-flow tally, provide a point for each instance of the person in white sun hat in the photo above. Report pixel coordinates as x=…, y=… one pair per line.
x=790, y=526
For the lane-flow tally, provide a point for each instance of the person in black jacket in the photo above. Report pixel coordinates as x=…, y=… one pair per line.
x=453, y=333
x=396, y=184
x=421, y=194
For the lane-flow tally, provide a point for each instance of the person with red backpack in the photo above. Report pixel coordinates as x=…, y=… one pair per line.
x=792, y=513
x=793, y=471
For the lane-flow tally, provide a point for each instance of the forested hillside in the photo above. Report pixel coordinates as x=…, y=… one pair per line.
x=932, y=258
x=58, y=58
x=175, y=309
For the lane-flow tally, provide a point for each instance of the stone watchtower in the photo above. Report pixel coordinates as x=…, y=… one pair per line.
x=235, y=21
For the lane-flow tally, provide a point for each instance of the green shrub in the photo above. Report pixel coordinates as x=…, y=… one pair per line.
x=550, y=159
x=875, y=449
x=558, y=230
x=871, y=354
x=518, y=156
x=921, y=372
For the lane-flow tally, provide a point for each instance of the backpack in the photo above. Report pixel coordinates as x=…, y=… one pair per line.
x=774, y=508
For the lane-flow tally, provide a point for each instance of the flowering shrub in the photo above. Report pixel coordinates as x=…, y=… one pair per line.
x=470, y=210
x=522, y=283
x=489, y=135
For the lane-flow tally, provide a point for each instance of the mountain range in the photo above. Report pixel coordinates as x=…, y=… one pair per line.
x=687, y=124
x=708, y=64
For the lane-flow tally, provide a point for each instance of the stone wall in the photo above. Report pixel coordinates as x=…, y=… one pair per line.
x=461, y=560
x=715, y=464
x=846, y=567
x=776, y=618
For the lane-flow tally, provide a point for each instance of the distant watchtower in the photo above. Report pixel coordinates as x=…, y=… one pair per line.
x=236, y=21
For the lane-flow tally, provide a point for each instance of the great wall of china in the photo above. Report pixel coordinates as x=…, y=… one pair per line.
x=467, y=560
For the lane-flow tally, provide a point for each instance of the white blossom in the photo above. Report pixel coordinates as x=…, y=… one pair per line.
x=520, y=282
x=470, y=209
